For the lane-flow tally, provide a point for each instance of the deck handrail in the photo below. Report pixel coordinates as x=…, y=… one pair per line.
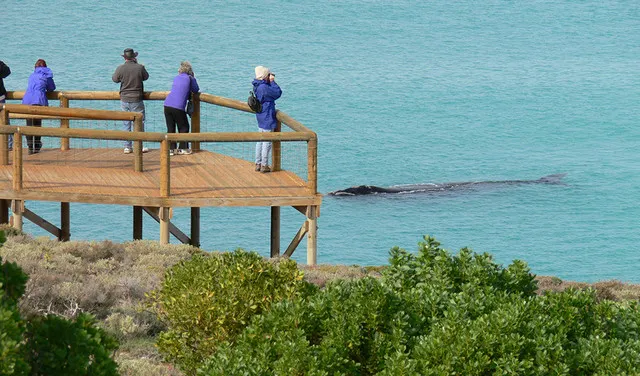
x=301, y=133
x=162, y=95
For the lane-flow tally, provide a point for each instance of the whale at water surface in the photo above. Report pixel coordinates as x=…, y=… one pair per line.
x=442, y=187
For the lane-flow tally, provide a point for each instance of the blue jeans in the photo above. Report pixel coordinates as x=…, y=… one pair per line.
x=128, y=124
x=262, y=150
x=10, y=136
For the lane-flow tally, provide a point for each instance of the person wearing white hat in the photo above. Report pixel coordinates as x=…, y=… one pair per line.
x=267, y=91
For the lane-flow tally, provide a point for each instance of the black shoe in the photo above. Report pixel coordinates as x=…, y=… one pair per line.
x=30, y=151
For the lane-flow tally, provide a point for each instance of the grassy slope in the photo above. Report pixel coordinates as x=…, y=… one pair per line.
x=110, y=280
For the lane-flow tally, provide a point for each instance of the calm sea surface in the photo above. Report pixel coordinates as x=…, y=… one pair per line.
x=399, y=92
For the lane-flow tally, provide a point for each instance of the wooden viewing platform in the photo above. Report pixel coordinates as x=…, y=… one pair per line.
x=153, y=182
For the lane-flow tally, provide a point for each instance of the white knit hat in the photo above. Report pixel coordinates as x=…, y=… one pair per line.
x=261, y=72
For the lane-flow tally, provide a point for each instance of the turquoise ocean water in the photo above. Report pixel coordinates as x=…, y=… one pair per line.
x=399, y=92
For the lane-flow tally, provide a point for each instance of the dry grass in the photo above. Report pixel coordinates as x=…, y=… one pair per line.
x=110, y=280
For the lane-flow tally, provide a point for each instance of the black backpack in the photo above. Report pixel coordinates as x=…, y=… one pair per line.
x=254, y=103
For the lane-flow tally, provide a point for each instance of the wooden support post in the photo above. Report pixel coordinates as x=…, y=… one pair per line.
x=165, y=221
x=195, y=120
x=195, y=227
x=4, y=211
x=165, y=172
x=312, y=239
x=173, y=230
x=64, y=123
x=17, y=161
x=312, y=165
x=65, y=219
x=17, y=208
x=4, y=139
x=137, y=145
x=275, y=231
x=277, y=150
x=137, y=223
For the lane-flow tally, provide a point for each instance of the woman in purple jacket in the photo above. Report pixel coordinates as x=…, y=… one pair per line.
x=40, y=82
x=174, y=106
x=267, y=91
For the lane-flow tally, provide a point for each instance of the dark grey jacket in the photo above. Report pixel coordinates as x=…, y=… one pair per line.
x=4, y=72
x=130, y=76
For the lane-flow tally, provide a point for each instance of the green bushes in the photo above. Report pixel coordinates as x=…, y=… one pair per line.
x=210, y=299
x=57, y=346
x=12, y=281
x=436, y=314
x=48, y=345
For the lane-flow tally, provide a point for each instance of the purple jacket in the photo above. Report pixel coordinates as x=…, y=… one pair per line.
x=267, y=93
x=40, y=81
x=183, y=86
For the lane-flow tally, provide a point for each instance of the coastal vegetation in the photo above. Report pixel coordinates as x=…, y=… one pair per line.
x=176, y=310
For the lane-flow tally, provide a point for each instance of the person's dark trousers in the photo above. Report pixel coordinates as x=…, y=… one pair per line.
x=34, y=142
x=174, y=116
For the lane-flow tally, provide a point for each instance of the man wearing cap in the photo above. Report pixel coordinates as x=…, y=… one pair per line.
x=130, y=76
x=267, y=91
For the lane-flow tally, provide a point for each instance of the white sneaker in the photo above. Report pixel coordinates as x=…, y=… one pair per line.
x=171, y=152
x=145, y=149
x=127, y=150
x=184, y=151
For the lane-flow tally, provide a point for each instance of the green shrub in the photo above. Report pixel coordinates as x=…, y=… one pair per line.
x=47, y=345
x=437, y=314
x=433, y=268
x=58, y=346
x=210, y=299
x=346, y=329
x=12, y=284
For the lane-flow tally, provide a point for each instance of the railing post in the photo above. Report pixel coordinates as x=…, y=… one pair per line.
x=4, y=140
x=195, y=120
x=64, y=123
x=17, y=161
x=137, y=145
x=312, y=164
x=165, y=170
x=277, y=150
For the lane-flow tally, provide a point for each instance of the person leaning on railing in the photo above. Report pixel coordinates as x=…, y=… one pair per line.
x=267, y=91
x=130, y=76
x=4, y=73
x=174, y=106
x=40, y=82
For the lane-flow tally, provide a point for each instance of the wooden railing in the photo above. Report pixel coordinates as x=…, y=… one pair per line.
x=64, y=114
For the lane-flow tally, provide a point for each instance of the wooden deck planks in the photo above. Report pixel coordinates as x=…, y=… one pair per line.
x=109, y=174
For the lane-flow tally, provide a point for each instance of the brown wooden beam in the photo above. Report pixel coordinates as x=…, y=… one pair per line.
x=275, y=231
x=296, y=240
x=31, y=195
x=65, y=222
x=137, y=223
x=195, y=227
x=4, y=211
x=42, y=223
